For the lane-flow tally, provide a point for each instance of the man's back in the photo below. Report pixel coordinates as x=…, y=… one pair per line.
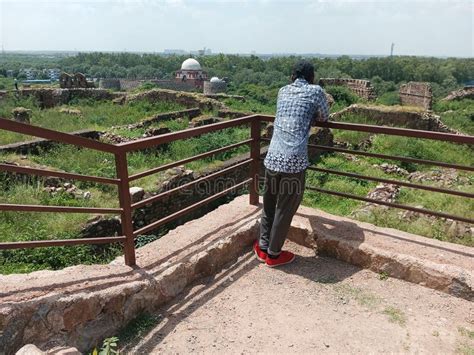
x=297, y=105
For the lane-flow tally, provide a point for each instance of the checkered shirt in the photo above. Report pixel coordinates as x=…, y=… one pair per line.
x=298, y=105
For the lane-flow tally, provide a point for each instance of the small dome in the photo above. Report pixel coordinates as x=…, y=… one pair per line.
x=190, y=64
x=215, y=79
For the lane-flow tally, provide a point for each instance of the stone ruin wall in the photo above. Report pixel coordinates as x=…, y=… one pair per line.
x=362, y=88
x=211, y=88
x=388, y=116
x=416, y=94
x=186, y=99
x=49, y=97
x=465, y=93
x=131, y=84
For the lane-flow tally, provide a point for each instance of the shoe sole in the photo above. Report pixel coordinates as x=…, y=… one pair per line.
x=277, y=265
x=259, y=258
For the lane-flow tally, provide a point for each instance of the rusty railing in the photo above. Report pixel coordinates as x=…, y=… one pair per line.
x=123, y=179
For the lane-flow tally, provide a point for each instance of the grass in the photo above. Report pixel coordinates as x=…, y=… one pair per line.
x=395, y=315
x=95, y=115
x=457, y=114
x=138, y=327
x=466, y=332
x=361, y=296
x=41, y=226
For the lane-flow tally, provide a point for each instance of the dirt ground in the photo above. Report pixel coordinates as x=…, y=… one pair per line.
x=315, y=305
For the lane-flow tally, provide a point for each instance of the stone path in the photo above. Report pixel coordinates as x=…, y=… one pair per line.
x=316, y=305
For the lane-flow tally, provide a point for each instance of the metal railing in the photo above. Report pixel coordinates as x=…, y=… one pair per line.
x=123, y=179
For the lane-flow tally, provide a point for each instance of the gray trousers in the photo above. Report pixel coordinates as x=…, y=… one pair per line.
x=282, y=196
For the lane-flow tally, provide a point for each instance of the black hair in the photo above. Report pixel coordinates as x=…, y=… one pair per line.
x=304, y=70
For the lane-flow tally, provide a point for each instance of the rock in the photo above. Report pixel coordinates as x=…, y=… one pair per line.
x=87, y=195
x=30, y=349
x=21, y=114
x=329, y=99
x=202, y=121
x=119, y=100
x=62, y=350
x=156, y=131
x=136, y=194
x=71, y=111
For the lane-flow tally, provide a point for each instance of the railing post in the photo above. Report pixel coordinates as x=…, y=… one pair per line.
x=126, y=205
x=255, y=156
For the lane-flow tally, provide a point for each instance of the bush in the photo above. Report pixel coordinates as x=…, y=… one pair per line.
x=389, y=98
x=342, y=95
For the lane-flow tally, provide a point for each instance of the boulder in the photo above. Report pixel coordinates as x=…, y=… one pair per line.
x=30, y=349
x=136, y=193
x=21, y=114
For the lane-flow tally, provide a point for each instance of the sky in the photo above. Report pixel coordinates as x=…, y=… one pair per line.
x=417, y=27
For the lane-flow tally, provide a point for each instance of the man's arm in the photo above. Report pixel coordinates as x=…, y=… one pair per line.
x=322, y=111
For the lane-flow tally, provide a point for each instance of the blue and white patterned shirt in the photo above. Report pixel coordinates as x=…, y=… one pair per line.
x=298, y=105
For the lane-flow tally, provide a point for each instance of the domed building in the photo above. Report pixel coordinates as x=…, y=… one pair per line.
x=191, y=72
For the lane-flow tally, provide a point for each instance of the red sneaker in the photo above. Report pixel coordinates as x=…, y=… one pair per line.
x=261, y=255
x=285, y=257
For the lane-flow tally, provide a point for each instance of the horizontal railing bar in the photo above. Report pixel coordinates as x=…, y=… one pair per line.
x=60, y=242
x=394, y=131
x=391, y=204
x=184, y=134
x=65, y=209
x=189, y=184
x=188, y=209
x=66, y=138
x=394, y=182
x=187, y=160
x=44, y=172
x=393, y=157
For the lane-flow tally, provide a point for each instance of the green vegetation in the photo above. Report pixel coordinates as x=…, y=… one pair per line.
x=395, y=315
x=92, y=115
x=259, y=81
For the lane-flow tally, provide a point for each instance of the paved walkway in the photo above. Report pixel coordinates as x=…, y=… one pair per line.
x=316, y=305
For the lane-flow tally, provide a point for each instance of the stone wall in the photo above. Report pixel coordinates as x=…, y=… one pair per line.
x=465, y=93
x=110, y=84
x=189, y=113
x=183, y=98
x=397, y=116
x=211, y=88
x=362, y=88
x=416, y=94
x=40, y=145
x=50, y=97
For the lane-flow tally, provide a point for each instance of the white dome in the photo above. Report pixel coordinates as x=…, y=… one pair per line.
x=215, y=79
x=190, y=64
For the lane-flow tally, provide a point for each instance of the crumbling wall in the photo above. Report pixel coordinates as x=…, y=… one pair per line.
x=49, y=97
x=38, y=146
x=396, y=116
x=110, y=84
x=211, y=88
x=416, y=94
x=183, y=98
x=362, y=88
x=465, y=93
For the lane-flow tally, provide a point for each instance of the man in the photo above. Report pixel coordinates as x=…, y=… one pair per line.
x=299, y=104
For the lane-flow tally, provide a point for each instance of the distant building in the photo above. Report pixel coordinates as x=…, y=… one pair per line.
x=191, y=72
x=174, y=51
x=215, y=86
x=54, y=74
